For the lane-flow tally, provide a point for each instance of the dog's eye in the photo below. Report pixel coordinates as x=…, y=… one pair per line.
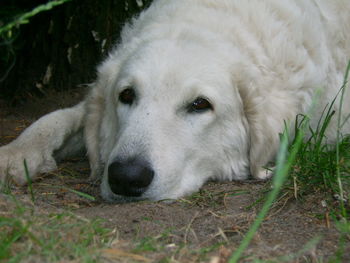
x=127, y=96
x=200, y=105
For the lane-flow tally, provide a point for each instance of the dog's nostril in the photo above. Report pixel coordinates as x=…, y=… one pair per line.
x=129, y=178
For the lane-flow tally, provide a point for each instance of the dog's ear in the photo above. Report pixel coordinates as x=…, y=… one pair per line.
x=95, y=109
x=266, y=110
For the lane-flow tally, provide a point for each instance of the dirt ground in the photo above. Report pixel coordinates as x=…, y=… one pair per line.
x=205, y=227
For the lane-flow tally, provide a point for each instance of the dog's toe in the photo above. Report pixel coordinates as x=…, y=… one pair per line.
x=263, y=174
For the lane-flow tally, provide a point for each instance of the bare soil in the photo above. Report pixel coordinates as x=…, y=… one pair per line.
x=205, y=227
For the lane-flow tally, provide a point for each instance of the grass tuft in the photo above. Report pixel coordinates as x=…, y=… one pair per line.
x=26, y=233
x=321, y=167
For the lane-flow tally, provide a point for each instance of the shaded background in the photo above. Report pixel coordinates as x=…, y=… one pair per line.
x=58, y=49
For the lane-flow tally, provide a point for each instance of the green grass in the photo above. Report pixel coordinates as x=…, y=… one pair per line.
x=308, y=164
x=48, y=237
x=321, y=167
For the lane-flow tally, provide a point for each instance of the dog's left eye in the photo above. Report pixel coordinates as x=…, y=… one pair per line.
x=127, y=96
x=200, y=105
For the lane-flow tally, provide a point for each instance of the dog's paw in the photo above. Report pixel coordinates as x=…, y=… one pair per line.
x=12, y=167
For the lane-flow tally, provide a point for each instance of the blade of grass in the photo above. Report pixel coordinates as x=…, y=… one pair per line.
x=84, y=195
x=340, y=184
x=283, y=164
x=29, y=180
x=23, y=19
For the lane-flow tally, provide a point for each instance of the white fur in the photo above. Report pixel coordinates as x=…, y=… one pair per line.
x=258, y=62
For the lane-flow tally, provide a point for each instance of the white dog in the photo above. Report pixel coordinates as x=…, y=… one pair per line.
x=196, y=90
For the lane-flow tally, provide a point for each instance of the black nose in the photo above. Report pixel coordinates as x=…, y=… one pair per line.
x=129, y=178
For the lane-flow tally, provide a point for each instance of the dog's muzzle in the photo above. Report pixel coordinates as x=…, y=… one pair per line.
x=129, y=178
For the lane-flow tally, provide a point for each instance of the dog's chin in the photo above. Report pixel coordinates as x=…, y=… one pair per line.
x=119, y=199
x=110, y=197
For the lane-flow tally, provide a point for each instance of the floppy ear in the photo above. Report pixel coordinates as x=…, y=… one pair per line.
x=266, y=109
x=95, y=110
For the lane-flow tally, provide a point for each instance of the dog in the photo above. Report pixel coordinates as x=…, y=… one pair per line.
x=196, y=90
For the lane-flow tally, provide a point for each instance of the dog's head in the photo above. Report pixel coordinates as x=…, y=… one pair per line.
x=172, y=118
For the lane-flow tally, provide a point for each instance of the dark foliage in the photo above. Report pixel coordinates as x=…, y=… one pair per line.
x=59, y=48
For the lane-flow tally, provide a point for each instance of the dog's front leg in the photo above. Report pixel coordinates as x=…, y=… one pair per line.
x=38, y=144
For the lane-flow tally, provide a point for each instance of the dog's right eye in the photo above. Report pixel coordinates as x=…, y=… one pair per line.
x=200, y=105
x=127, y=96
